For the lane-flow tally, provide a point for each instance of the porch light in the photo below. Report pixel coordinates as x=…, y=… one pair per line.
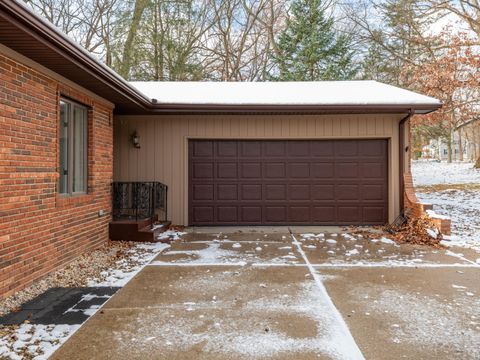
x=136, y=140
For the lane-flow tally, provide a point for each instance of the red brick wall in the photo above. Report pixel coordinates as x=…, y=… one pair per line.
x=39, y=230
x=419, y=209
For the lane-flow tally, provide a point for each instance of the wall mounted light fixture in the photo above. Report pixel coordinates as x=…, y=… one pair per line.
x=136, y=140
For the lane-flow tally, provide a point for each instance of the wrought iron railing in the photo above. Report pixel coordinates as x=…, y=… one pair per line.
x=139, y=200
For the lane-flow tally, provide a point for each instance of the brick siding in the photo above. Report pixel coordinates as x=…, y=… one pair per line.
x=419, y=209
x=40, y=230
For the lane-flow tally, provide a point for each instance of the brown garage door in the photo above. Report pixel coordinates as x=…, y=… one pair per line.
x=324, y=182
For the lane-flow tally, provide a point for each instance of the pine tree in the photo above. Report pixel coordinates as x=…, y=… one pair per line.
x=310, y=49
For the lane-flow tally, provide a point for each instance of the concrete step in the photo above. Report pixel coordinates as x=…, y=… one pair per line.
x=137, y=230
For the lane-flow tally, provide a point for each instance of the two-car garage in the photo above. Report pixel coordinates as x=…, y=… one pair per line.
x=272, y=153
x=267, y=182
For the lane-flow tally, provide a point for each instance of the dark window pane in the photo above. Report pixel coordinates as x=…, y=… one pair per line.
x=80, y=149
x=64, y=129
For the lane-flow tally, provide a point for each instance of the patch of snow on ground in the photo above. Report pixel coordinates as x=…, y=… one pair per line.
x=310, y=236
x=212, y=254
x=462, y=206
x=432, y=233
x=171, y=234
x=352, y=252
x=387, y=241
x=35, y=341
x=432, y=173
x=119, y=276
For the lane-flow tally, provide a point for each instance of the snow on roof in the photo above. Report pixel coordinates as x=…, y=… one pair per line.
x=348, y=93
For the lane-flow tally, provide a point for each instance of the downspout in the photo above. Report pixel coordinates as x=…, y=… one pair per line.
x=402, y=151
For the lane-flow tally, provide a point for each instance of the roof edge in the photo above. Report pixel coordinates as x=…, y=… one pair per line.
x=25, y=19
x=243, y=108
x=55, y=39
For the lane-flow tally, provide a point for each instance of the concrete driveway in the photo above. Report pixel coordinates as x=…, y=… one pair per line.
x=268, y=293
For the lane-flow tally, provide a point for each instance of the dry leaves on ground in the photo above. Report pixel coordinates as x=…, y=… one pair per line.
x=75, y=274
x=414, y=231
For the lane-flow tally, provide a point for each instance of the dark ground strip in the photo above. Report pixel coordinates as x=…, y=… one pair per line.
x=60, y=306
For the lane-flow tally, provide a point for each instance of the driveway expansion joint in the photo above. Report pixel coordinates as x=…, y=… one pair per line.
x=354, y=350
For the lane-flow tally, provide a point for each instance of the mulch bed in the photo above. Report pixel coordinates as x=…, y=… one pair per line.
x=75, y=274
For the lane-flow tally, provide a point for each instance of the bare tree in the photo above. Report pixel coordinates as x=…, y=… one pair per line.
x=88, y=22
x=467, y=10
x=241, y=39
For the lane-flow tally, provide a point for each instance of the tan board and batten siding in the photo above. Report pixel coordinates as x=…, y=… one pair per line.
x=163, y=155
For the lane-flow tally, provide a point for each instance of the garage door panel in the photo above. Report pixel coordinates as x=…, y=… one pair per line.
x=298, y=148
x=203, y=192
x=322, y=149
x=251, y=192
x=372, y=170
x=226, y=149
x=251, y=170
x=324, y=170
x=299, y=192
x=346, y=170
x=275, y=170
x=373, y=214
x=203, y=170
x=323, y=192
x=203, y=214
x=299, y=213
x=275, y=214
x=251, y=214
x=227, y=192
x=323, y=214
x=274, y=148
x=299, y=170
x=227, y=214
x=250, y=149
x=203, y=149
x=276, y=192
x=346, y=148
x=347, y=192
x=373, y=192
x=372, y=148
x=349, y=214
x=288, y=182
x=227, y=170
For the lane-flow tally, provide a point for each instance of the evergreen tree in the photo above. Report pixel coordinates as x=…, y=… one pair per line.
x=310, y=49
x=377, y=65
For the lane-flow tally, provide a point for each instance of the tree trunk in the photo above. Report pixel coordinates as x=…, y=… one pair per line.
x=128, y=48
x=460, y=145
x=449, y=146
x=477, y=164
x=476, y=141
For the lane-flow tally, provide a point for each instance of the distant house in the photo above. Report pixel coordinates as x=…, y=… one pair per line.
x=229, y=153
x=438, y=148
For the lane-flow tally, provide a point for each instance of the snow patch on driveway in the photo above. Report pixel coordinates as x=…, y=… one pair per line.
x=424, y=321
x=346, y=345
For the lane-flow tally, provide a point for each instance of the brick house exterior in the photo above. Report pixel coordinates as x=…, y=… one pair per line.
x=41, y=229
